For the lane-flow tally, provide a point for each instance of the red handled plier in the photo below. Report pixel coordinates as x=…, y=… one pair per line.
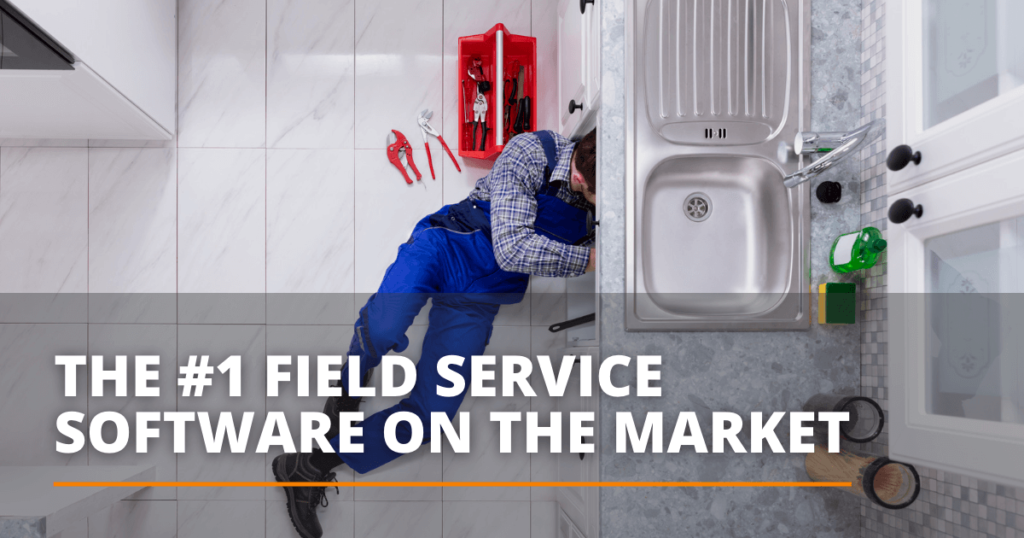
x=425, y=128
x=398, y=149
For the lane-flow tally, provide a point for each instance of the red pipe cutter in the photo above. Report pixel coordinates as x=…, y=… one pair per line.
x=398, y=149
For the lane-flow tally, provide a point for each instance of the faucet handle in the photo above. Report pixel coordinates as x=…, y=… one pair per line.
x=810, y=143
x=834, y=147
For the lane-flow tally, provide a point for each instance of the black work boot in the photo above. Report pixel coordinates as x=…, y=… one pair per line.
x=302, y=502
x=343, y=403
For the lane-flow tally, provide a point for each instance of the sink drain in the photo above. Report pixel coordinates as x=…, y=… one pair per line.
x=697, y=207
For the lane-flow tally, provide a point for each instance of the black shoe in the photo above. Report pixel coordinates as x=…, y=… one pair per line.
x=302, y=502
x=343, y=403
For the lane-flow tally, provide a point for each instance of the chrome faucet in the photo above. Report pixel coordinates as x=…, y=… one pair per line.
x=834, y=146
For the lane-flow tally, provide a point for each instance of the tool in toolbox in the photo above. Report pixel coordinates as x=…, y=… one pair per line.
x=483, y=86
x=480, y=119
x=425, y=128
x=399, y=149
x=526, y=104
x=522, y=123
x=510, y=101
x=476, y=70
x=511, y=87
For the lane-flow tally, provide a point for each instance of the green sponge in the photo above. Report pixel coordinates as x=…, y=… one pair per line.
x=837, y=302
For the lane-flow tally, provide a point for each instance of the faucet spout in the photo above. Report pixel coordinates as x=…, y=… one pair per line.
x=847, y=144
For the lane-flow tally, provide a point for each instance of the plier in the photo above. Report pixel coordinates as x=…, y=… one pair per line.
x=399, y=148
x=480, y=119
x=425, y=128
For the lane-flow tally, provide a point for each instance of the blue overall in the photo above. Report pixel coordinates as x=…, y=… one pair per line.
x=449, y=259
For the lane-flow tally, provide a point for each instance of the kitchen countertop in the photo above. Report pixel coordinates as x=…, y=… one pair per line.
x=735, y=371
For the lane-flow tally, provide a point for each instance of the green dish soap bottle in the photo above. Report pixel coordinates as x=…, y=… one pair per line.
x=856, y=251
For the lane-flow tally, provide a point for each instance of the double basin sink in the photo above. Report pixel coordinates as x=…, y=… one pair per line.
x=715, y=241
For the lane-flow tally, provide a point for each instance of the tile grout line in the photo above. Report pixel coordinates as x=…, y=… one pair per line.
x=177, y=200
x=355, y=202
x=88, y=246
x=177, y=262
x=88, y=375
x=441, y=167
x=266, y=213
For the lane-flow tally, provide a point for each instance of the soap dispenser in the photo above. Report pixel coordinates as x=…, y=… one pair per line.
x=858, y=250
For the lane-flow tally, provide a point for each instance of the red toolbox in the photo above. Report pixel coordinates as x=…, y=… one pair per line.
x=497, y=62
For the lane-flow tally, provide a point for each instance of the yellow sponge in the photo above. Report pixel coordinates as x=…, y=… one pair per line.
x=837, y=303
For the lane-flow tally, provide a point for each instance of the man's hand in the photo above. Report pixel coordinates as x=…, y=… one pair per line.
x=592, y=263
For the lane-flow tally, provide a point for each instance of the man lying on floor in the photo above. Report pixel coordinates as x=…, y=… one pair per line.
x=528, y=216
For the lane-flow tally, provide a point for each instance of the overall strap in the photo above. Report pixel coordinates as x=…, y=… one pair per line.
x=548, y=143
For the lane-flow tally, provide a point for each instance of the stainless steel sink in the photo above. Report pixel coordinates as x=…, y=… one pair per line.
x=715, y=241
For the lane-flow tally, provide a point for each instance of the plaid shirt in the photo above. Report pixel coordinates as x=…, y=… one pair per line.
x=511, y=187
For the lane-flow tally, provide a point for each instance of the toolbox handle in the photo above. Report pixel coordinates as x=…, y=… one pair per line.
x=499, y=76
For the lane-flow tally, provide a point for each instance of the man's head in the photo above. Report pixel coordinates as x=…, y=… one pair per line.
x=583, y=175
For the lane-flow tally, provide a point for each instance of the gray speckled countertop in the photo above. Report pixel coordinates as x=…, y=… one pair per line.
x=19, y=527
x=737, y=371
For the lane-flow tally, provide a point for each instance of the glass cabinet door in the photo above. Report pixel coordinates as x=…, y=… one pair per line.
x=973, y=52
x=975, y=282
x=956, y=324
x=954, y=84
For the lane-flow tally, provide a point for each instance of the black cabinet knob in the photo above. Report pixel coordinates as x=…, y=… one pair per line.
x=582, y=440
x=901, y=156
x=583, y=5
x=573, y=107
x=901, y=210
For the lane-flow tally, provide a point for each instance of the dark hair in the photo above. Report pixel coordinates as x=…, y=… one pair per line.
x=584, y=156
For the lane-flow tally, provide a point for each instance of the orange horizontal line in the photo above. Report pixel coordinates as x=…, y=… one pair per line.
x=454, y=484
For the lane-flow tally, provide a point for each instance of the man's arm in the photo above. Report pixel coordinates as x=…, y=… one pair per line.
x=517, y=247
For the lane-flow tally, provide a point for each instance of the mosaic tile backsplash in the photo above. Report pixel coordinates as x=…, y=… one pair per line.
x=950, y=505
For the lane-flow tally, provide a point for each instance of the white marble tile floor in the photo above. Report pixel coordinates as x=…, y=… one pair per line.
x=276, y=182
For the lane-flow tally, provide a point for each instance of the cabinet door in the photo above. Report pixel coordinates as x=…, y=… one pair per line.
x=580, y=504
x=592, y=46
x=956, y=84
x=75, y=104
x=581, y=300
x=571, y=65
x=566, y=528
x=956, y=306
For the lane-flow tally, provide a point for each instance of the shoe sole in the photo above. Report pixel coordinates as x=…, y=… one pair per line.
x=289, y=494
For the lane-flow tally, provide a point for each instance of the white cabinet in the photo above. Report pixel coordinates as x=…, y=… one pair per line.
x=956, y=304
x=73, y=104
x=592, y=47
x=955, y=84
x=580, y=505
x=579, y=70
x=581, y=300
x=956, y=273
x=123, y=82
x=566, y=528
